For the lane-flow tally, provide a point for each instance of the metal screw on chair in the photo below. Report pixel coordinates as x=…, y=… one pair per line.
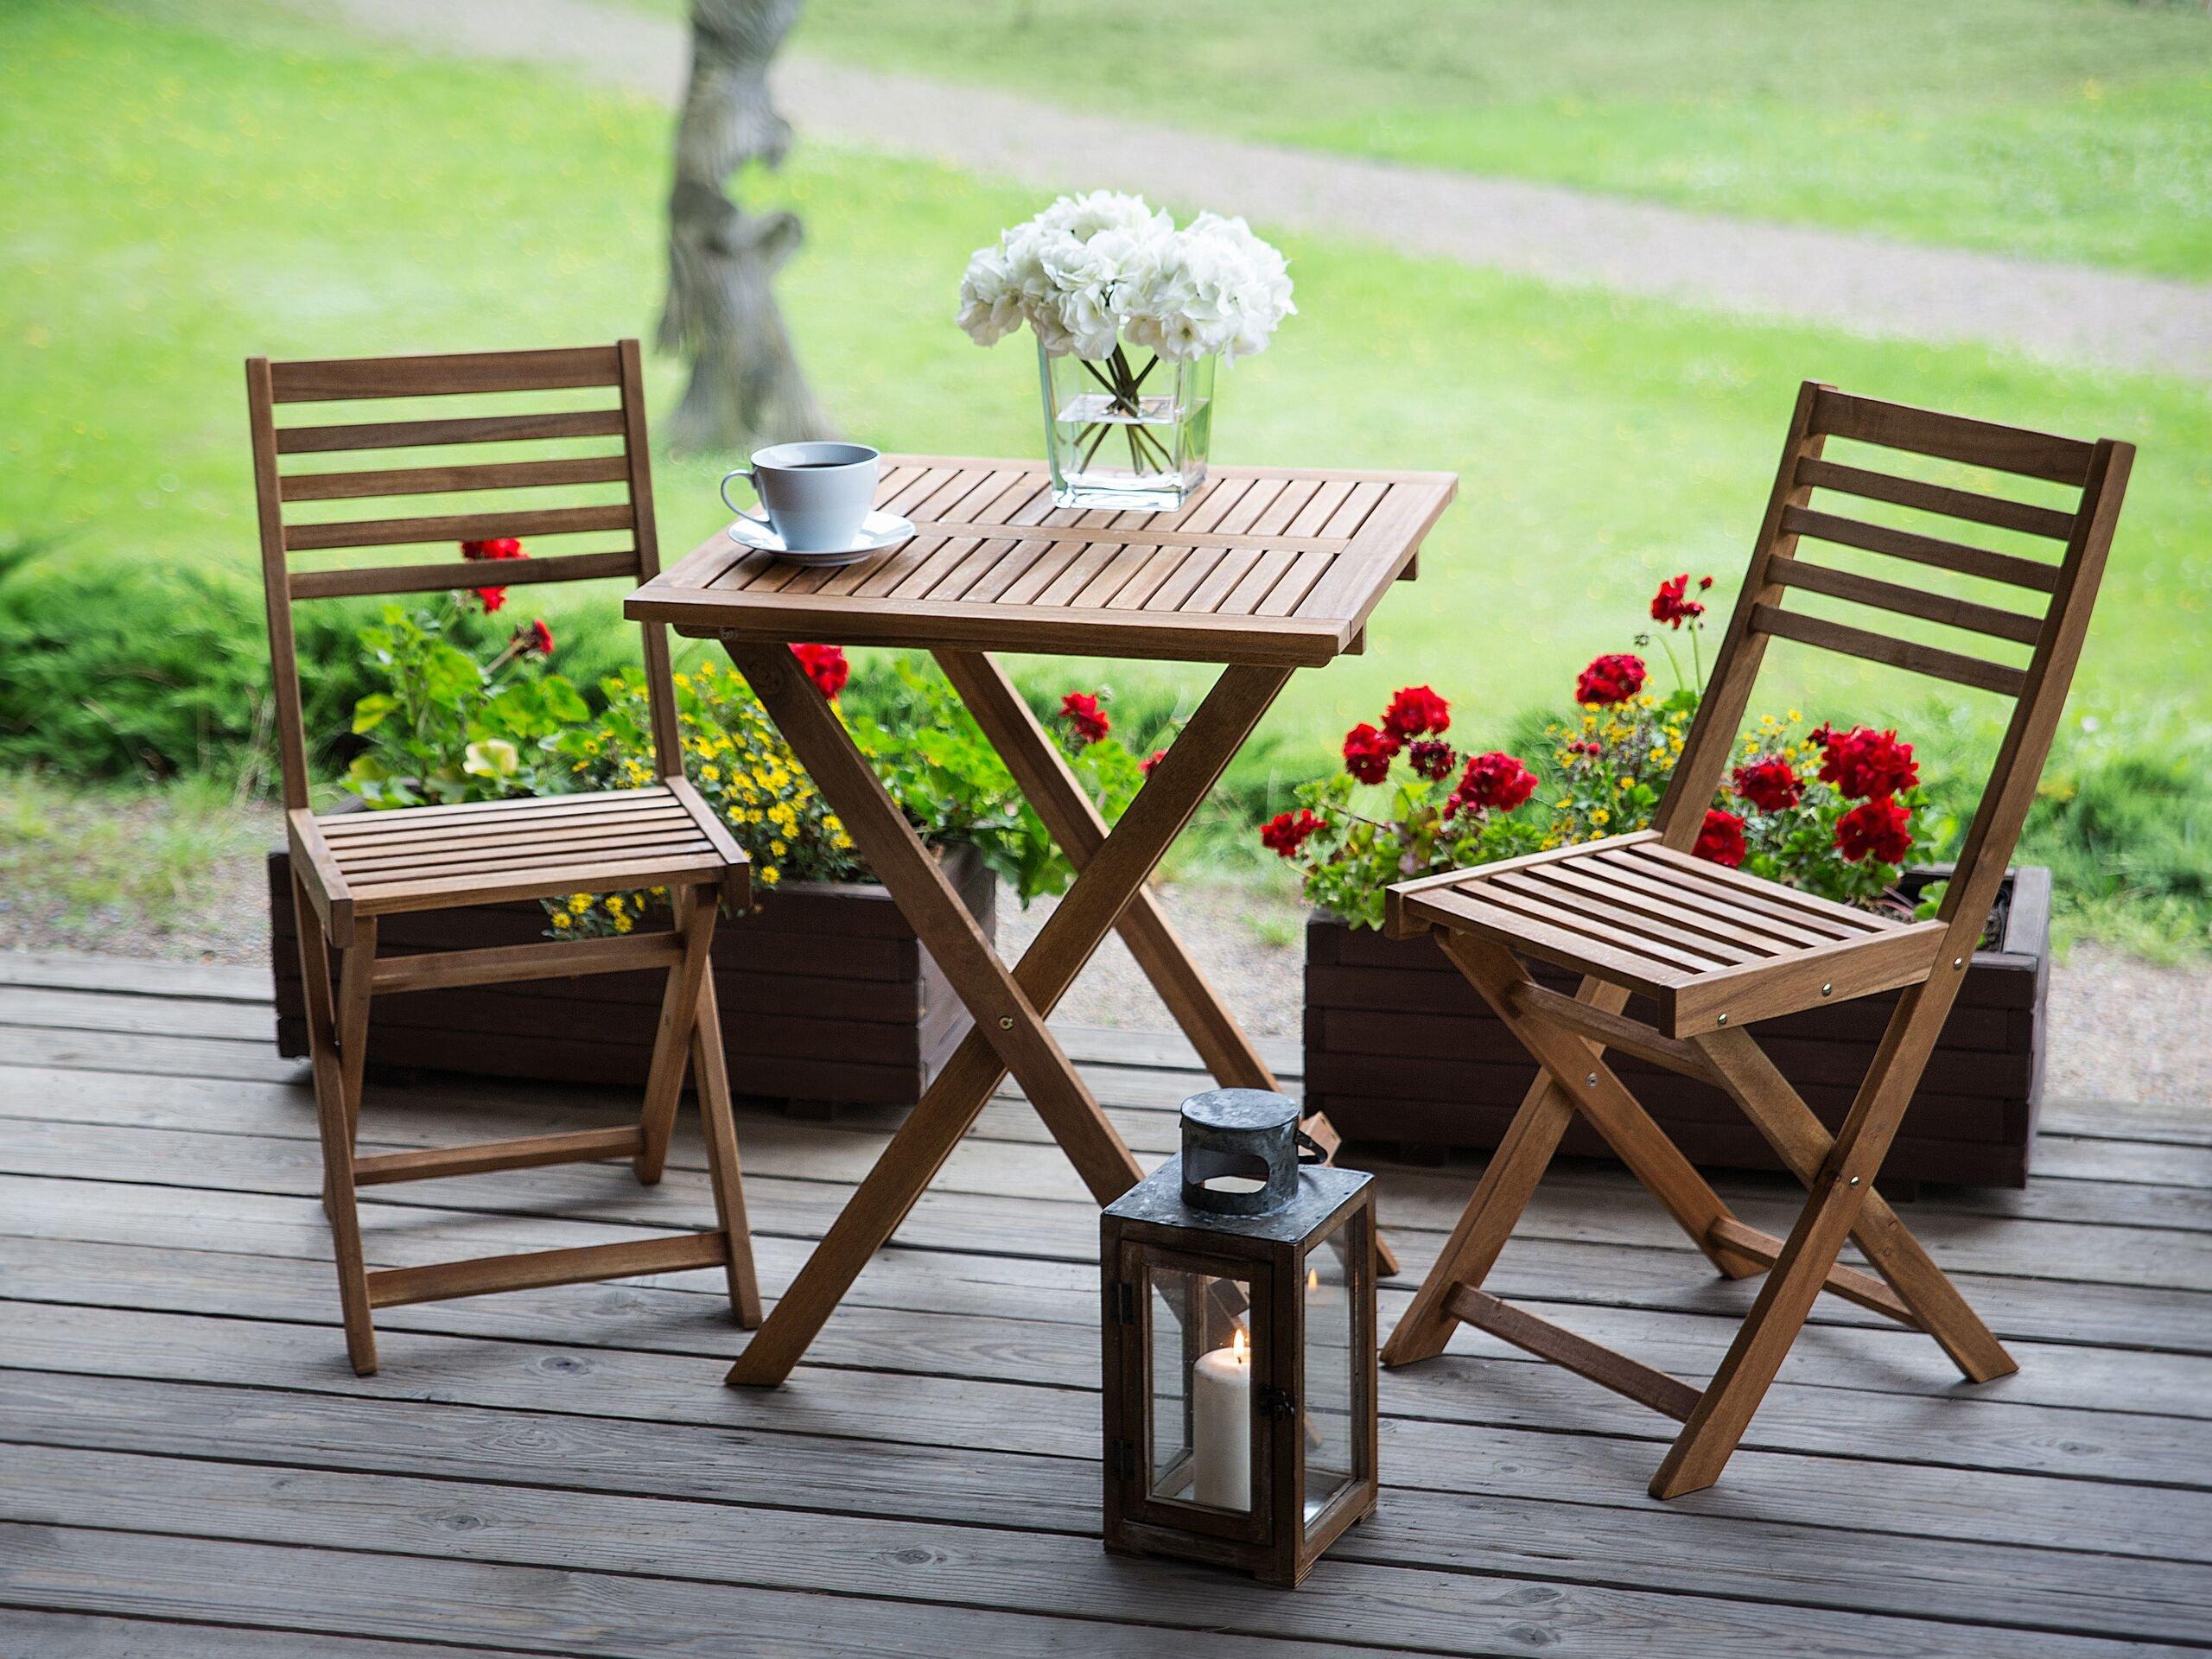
x=1854, y=1180
x=1592, y=1079
x=1828, y=990
x=1006, y=1023
x=1721, y=1019
x=1958, y=962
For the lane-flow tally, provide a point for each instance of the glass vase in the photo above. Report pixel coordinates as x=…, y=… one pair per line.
x=1128, y=431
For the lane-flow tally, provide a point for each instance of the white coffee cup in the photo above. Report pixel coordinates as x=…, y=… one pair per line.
x=815, y=493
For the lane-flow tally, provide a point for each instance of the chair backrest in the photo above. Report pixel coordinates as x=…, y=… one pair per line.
x=2050, y=624
x=493, y=376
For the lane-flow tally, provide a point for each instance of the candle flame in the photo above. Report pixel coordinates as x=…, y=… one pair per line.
x=1237, y=1347
x=1312, y=1278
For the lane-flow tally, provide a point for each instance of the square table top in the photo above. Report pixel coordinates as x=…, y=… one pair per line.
x=1264, y=565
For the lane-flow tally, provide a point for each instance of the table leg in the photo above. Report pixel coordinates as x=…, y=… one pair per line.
x=1073, y=821
x=1009, y=1005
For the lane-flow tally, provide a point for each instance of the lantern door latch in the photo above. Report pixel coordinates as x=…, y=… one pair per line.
x=1122, y=1302
x=1275, y=1403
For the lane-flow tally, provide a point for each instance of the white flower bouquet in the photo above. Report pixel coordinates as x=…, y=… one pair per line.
x=1098, y=277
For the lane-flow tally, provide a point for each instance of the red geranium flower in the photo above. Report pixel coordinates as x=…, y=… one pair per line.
x=1863, y=763
x=1668, y=605
x=1878, y=829
x=1495, y=782
x=1151, y=760
x=1368, y=752
x=1611, y=679
x=1432, y=757
x=826, y=666
x=537, y=639
x=1084, y=717
x=1722, y=841
x=1286, y=832
x=498, y=547
x=1770, y=784
x=1415, y=710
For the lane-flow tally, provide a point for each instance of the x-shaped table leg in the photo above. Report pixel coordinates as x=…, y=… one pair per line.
x=1009, y=1005
x=1073, y=821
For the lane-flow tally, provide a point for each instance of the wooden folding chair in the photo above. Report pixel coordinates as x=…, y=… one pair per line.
x=1712, y=950
x=348, y=870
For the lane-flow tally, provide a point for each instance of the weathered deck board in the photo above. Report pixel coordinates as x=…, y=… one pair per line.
x=187, y=1468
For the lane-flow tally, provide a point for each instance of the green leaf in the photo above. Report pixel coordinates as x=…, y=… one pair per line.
x=493, y=758
x=372, y=710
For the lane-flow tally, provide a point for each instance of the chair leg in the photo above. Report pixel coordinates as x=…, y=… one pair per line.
x=710, y=1073
x=1839, y=1194
x=333, y=1121
x=679, y=1012
x=353, y=1022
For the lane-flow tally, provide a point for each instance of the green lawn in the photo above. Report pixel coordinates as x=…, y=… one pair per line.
x=266, y=187
x=2058, y=128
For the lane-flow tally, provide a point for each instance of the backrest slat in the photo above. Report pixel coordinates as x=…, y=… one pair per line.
x=443, y=376
x=1951, y=437
x=623, y=472
x=441, y=481
x=430, y=434
x=1992, y=509
x=1888, y=649
x=1907, y=601
x=1932, y=550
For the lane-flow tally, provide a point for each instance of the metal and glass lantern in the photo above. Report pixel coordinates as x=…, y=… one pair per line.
x=1240, y=1345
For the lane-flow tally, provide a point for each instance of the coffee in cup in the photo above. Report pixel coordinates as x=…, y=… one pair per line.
x=815, y=493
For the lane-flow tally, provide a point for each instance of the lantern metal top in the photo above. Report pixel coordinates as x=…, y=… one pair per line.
x=1239, y=1151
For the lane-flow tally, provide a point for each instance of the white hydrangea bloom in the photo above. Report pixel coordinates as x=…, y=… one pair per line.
x=1090, y=271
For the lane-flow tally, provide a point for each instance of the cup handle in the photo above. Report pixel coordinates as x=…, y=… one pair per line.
x=745, y=473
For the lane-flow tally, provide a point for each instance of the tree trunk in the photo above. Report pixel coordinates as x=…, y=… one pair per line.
x=746, y=385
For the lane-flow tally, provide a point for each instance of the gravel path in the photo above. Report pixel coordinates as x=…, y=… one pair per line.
x=1862, y=284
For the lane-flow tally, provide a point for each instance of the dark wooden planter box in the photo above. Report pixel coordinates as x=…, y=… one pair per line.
x=827, y=997
x=1401, y=1051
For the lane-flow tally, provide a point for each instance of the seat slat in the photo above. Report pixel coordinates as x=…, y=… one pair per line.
x=335, y=824
x=1577, y=952
x=333, y=379
x=456, y=527
x=442, y=481
x=364, y=580
x=1887, y=650
x=1551, y=883
x=1662, y=883
x=1677, y=909
x=1905, y=602
x=433, y=434
x=1735, y=883
x=1957, y=556
x=1561, y=910
x=1952, y=437
x=496, y=887
x=535, y=851
x=1992, y=509
x=432, y=836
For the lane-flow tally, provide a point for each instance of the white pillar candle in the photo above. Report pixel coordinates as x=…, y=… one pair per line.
x=1221, y=1426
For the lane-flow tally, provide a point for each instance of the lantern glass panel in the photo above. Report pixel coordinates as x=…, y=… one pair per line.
x=1335, y=1448
x=1200, y=1439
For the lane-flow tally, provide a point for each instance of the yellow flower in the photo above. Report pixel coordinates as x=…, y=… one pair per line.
x=1621, y=784
x=770, y=875
x=623, y=923
x=616, y=904
x=1599, y=816
x=712, y=774
x=579, y=903
x=778, y=849
x=561, y=918
x=1794, y=716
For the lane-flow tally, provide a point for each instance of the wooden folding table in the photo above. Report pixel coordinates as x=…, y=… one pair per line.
x=1264, y=571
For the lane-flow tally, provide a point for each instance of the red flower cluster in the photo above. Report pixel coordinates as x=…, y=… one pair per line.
x=1670, y=604
x=1878, y=829
x=1151, y=760
x=826, y=666
x=1286, y=832
x=1770, y=782
x=1495, y=782
x=1611, y=679
x=1416, y=710
x=1721, y=840
x=1432, y=757
x=1368, y=753
x=498, y=547
x=1084, y=717
x=1864, y=763
x=535, y=640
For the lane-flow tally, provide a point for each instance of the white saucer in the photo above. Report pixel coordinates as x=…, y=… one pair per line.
x=877, y=531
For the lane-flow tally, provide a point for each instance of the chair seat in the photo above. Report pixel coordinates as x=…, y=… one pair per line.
x=1710, y=946
x=439, y=857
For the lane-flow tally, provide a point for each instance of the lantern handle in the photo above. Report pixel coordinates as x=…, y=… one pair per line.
x=1309, y=1150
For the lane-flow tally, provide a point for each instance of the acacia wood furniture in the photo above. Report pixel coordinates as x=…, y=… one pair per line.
x=1264, y=571
x=350, y=870
x=1713, y=950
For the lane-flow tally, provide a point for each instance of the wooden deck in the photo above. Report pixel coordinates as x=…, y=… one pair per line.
x=188, y=1469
